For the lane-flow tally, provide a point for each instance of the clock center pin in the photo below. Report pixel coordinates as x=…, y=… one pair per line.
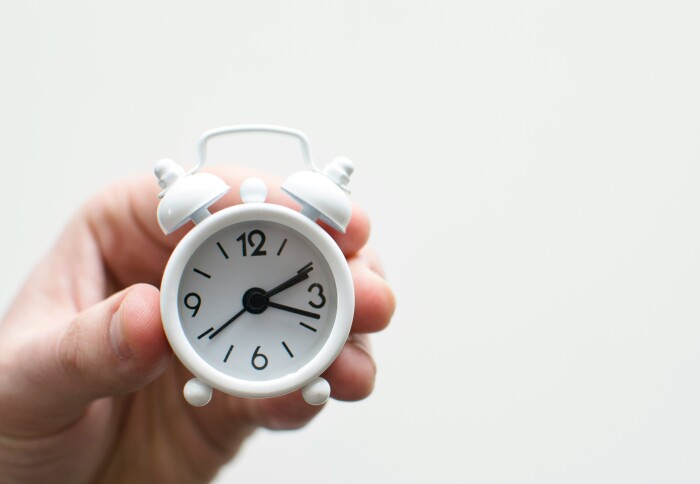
x=254, y=300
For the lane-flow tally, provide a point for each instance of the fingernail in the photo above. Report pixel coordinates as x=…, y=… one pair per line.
x=117, y=338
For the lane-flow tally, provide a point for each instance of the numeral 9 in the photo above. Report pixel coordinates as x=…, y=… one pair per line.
x=193, y=306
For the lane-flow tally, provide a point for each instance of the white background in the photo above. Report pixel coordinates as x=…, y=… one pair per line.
x=531, y=169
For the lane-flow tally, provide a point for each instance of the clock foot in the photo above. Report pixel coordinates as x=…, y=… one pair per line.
x=316, y=392
x=197, y=393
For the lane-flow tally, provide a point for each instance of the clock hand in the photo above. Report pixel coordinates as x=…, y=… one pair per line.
x=302, y=274
x=223, y=326
x=292, y=310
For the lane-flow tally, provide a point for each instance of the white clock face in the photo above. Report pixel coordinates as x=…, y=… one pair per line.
x=257, y=300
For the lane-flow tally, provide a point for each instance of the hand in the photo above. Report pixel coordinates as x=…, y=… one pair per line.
x=89, y=389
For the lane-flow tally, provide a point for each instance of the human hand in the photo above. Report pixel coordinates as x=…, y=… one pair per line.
x=89, y=389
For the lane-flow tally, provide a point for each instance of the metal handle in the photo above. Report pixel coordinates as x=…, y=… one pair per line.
x=253, y=128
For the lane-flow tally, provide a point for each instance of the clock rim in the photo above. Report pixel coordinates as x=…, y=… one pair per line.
x=172, y=324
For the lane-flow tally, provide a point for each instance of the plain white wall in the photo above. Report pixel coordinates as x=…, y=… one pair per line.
x=531, y=169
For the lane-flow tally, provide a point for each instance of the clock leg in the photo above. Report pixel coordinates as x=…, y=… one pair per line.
x=316, y=392
x=197, y=393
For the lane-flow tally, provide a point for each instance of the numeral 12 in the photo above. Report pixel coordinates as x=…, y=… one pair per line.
x=251, y=240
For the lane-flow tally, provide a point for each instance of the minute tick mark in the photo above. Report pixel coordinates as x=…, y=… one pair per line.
x=205, y=333
x=202, y=273
x=291, y=355
x=222, y=250
x=282, y=246
x=310, y=328
x=228, y=353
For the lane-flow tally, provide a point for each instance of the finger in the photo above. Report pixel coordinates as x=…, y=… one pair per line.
x=370, y=257
x=353, y=372
x=114, y=347
x=374, y=299
x=287, y=412
x=356, y=233
x=134, y=249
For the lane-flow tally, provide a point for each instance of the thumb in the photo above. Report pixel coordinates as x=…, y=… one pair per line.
x=114, y=347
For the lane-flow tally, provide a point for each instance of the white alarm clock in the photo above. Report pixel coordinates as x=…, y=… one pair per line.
x=257, y=299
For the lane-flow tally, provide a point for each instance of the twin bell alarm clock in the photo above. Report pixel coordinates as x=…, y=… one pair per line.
x=257, y=299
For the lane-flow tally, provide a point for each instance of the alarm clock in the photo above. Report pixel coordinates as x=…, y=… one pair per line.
x=257, y=299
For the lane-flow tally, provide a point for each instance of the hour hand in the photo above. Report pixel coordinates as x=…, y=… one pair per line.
x=293, y=310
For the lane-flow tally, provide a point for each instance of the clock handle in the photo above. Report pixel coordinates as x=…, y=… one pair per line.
x=253, y=128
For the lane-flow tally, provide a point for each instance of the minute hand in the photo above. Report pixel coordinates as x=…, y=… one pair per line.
x=302, y=274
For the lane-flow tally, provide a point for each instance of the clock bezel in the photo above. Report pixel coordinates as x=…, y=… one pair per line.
x=339, y=271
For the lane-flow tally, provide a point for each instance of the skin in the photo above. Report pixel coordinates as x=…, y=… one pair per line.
x=90, y=391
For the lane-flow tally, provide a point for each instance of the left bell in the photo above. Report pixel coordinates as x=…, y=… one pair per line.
x=185, y=196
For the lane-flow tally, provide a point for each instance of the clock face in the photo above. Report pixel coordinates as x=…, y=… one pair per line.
x=257, y=300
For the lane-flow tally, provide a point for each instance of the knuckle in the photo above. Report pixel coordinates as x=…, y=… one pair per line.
x=69, y=354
